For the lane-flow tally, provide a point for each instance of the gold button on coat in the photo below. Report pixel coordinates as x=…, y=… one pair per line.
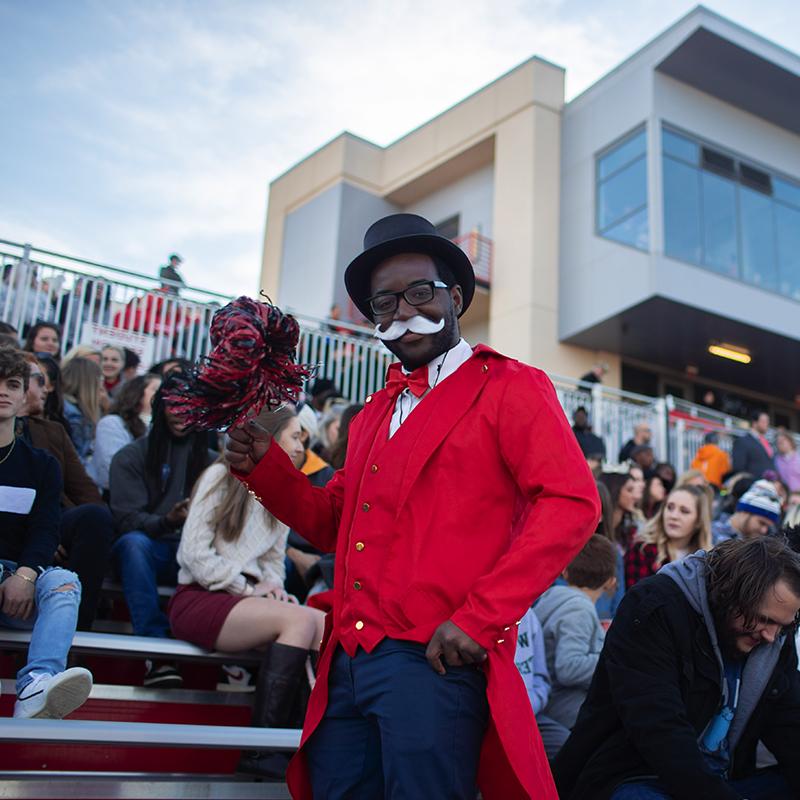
x=365, y=507
x=357, y=585
x=359, y=625
x=374, y=467
x=359, y=546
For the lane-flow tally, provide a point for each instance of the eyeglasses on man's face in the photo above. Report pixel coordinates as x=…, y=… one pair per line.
x=417, y=294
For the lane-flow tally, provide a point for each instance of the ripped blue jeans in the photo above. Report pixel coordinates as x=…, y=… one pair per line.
x=52, y=623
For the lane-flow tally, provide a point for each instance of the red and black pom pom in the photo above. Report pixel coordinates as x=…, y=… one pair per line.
x=251, y=366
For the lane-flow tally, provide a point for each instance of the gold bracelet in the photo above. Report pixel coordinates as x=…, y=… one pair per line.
x=24, y=577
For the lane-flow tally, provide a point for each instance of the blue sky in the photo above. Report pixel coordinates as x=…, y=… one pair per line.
x=137, y=127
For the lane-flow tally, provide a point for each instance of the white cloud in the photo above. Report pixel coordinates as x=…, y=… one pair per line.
x=191, y=108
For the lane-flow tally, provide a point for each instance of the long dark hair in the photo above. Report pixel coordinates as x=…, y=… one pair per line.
x=54, y=404
x=128, y=401
x=740, y=572
x=338, y=450
x=34, y=331
x=160, y=438
x=614, y=481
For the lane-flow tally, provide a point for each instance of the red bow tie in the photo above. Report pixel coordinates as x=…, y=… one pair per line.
x=416, y=382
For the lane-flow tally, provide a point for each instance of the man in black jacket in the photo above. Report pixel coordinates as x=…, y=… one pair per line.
x=699, y=666
x=150, y=482
x=753, y=452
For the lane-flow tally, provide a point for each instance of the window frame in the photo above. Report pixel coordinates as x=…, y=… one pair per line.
x=598, y=183
x=739, y=160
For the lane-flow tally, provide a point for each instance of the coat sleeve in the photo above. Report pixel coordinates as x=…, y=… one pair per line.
x=314, y=512
x=781, y=733
x=644, y=673
x=575, y=657
x=44, y=520
x=541, y=453
x=128, y=495
x=79, y=488
x=740, y=454
x=110, y=438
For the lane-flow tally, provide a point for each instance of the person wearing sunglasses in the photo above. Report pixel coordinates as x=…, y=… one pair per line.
x=463, y=495
x=86, y=530
x=699, y=666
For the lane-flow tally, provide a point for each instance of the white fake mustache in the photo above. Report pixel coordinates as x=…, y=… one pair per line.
x=417, y=324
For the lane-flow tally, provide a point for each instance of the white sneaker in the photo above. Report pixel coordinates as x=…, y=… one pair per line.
x=54, y=696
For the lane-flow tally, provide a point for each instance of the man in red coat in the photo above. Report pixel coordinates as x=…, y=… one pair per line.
x=464, y=494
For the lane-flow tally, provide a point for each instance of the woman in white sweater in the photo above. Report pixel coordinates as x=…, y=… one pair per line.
x=230, y=594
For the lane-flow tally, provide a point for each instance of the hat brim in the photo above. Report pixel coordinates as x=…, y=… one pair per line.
x=358, y=274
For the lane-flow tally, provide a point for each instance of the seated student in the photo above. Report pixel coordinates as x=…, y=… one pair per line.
x=128, y=419
x=699, y=666
x=756, y=511
x=112, y=363
x=150, y=483
x=682, y=526
x=34, y=595
x=532, y=666
x=87, y=529
x=231, y=593
x=573, y=636
x=82, y=398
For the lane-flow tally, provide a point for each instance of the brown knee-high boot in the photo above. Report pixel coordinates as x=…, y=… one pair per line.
x=280, y=680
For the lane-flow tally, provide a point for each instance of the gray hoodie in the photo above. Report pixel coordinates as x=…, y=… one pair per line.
x=573, y=639
x=690, y=575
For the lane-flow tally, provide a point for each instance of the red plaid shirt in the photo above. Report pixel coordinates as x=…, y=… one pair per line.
x=641, y=562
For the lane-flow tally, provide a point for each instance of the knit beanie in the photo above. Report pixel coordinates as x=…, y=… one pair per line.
x=762, y=499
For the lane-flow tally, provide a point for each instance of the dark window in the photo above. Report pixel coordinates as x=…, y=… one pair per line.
x=449, y=227
x=755, y=179
x=718, y=162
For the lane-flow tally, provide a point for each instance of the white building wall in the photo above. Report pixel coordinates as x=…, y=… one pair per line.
x=599, y=278
x=471, y=197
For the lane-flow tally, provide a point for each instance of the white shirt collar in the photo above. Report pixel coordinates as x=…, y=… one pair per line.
x=444, y=365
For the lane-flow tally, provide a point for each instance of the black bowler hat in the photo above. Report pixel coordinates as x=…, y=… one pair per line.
x=405, y=233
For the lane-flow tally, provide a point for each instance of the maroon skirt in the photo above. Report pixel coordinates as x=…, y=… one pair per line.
x=197, y=615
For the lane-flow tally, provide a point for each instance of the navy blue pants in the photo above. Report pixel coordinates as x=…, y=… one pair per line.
x=396, y=729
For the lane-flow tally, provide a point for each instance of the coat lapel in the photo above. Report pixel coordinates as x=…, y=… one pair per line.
x=439, y=412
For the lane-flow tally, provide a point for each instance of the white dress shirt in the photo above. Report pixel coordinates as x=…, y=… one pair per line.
x=441, y=368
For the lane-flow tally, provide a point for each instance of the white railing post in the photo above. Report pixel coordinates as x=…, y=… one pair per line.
x=598, y=412
x=661, y=427
x=19, y=283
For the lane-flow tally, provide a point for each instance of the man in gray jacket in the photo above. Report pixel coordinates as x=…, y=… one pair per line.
x=573, y=636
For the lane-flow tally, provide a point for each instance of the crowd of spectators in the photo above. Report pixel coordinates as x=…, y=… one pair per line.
x=655, y=522
x=98, y=479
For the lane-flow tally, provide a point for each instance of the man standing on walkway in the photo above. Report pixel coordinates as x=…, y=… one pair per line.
x=464, y=494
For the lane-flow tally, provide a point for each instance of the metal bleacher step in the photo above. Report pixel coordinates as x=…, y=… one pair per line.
x=135, y=786
x=110, y=644
x=147, y=734
x=141, y=694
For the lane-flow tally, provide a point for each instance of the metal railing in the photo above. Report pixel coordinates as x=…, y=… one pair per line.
x=479, y=250
x=94, y=303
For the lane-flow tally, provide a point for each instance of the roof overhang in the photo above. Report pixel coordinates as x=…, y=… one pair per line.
x=668, y=334
x=719, y=67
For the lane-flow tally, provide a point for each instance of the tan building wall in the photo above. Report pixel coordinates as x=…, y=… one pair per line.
x=514, y=124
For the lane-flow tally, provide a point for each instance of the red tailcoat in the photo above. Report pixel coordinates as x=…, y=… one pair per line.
x=493, y=500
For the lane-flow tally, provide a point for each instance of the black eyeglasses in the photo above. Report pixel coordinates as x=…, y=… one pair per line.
x=415, y=295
